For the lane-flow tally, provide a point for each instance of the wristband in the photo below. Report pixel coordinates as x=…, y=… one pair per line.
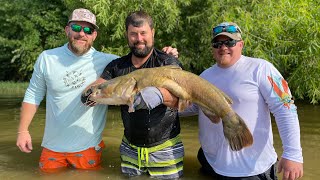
x=19, y=132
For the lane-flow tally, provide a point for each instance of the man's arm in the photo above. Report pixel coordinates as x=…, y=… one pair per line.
x=272, y=87
x=33, y=96
x=151, y=97
x=24, y=139
x=169, y=99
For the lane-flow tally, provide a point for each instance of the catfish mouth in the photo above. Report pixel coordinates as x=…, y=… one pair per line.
x=96, y=94
x=100, y=95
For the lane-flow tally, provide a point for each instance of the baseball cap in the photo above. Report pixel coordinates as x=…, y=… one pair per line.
x=229, y=29
x=85, y=15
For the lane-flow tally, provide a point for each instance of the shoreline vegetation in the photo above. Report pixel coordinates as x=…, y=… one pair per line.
x=269, y=32
x=13, y=88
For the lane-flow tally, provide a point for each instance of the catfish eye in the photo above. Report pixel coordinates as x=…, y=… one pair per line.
x=88, y=92
x=100, y=86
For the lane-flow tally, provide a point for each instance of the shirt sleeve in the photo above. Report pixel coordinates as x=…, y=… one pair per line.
x=277, y=95
x=108, y=72
x=173, y=61
x=37, y=86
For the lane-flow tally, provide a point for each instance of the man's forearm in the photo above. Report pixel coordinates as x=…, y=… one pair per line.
x=27, y=113
x=169, y=99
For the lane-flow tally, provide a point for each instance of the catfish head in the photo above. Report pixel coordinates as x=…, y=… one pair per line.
x=117, y=91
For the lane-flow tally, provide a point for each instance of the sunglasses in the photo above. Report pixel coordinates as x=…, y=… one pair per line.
x=77, y=28
x=228, y=43
x=229, y=29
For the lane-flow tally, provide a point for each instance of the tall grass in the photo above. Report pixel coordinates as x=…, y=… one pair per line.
x=13, y=88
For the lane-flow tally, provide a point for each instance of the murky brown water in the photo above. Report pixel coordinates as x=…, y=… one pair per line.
x=17, y=165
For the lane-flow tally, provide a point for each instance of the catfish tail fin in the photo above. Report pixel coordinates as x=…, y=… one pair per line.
x=236, y=132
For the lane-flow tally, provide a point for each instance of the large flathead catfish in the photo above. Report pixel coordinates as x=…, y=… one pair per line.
x=185, y=85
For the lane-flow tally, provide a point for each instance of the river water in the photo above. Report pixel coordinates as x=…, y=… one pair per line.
x=17, y=165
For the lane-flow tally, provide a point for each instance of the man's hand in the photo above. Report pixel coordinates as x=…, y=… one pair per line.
x=172, y=51
x=85, y=98
x=24, y=141
x=291, y=170
x=148, y=98
x=169, y=99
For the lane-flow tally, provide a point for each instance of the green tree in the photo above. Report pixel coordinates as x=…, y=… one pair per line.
x=111, y=16
x=28, y=27
x=284, y=32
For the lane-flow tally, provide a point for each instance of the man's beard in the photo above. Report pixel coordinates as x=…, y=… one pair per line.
x=141, y=53
x=79, y=49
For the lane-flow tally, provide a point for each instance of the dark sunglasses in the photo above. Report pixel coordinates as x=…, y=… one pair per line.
x=228, y=43
x=77, y=28
x=229, y=29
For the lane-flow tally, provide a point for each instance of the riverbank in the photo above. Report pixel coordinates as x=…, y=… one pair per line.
x=13, y=88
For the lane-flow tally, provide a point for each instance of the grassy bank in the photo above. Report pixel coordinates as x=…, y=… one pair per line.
x=13, y=88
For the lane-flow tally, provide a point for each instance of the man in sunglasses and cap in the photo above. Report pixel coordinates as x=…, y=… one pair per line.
x=73, y=132
x=256, y=88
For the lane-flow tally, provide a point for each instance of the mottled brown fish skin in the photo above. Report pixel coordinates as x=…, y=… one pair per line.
x=185, y=85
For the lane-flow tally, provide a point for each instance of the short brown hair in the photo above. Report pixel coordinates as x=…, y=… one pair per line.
x=138, y=18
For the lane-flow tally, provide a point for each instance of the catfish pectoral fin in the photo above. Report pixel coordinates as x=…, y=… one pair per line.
x=236, y=132
x=211, y=115
x=130, y=103
x=131, y=108
x=183, y=104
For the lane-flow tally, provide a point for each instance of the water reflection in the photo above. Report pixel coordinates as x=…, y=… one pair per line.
x=17, y=165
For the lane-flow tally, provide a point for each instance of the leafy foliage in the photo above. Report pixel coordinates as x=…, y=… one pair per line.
x=28, y=27
x=111, y=14
x=284, y=32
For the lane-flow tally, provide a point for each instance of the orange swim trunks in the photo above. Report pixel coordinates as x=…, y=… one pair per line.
x=51, y=161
